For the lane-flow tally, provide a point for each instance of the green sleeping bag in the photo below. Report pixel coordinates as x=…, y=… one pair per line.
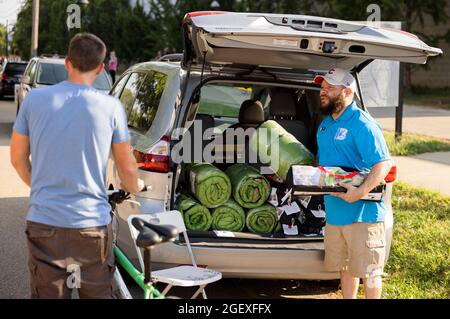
x=228, y=216
x=195, y=216
x=261, y=219
x=208, y=184
x=289, y=151
x=250, y=189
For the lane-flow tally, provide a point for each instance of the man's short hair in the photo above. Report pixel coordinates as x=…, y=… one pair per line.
x=86, y=51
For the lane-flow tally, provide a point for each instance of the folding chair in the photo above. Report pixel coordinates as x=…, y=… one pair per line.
x=183, y=276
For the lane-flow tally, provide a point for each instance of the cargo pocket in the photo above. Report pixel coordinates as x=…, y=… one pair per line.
x=97, y=238
x=376, y=253
x=36, y=233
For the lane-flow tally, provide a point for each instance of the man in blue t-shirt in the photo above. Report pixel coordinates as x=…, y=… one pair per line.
x=70, y=130
x=355, y=233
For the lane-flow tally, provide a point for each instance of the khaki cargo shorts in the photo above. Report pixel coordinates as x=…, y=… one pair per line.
x=358, y=248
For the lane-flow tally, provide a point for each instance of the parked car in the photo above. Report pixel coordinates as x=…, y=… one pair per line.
x=229, y=58
x=10, y=76
x=43, y=71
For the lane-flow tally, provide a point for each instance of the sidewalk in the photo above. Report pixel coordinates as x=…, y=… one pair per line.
x=418, y=120
x=429, y=170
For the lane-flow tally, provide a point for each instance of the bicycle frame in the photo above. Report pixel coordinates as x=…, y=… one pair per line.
x=143, y=280
x=150, y=292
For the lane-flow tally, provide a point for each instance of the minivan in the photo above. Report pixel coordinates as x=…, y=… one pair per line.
x=229, y=58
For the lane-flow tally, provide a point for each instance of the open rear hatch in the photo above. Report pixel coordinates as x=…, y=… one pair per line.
x=293, y=41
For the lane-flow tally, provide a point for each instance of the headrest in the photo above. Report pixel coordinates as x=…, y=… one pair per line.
x=282, y=104
x=251, y=112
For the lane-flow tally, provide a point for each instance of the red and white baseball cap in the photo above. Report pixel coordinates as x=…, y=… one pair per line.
x=338, y=76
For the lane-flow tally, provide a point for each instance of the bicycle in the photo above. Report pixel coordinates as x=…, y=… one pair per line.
x=149, y=236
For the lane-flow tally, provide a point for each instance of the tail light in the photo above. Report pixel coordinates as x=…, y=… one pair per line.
x=4, y=76
x=202, y=13
x=392, y=175
x=155, y=159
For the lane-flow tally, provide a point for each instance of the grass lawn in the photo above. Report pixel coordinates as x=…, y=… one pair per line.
x=411, y=144
x=437, y=98
x=419, y=263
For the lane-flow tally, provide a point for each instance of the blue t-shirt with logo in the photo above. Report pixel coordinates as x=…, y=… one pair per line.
x=70, y=127
x=353, y=140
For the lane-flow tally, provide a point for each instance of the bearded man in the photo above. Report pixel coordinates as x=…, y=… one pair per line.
x=354, y=234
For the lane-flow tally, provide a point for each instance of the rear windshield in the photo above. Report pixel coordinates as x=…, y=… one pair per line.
x=220, y=100
x=15, y=68
x=50, y=73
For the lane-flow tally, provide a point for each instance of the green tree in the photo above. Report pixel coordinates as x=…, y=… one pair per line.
x=127, y=30
x=137, y=35
x=281, y=6
x=2, y=39
x=411, y=12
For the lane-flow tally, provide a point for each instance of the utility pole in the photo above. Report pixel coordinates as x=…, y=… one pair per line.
x=7, y=51
x=35, y=28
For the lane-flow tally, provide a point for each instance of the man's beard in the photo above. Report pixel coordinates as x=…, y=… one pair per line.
x=334, y=105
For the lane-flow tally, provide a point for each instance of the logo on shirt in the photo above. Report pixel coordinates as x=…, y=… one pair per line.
x=322, y=128
x=341, y=134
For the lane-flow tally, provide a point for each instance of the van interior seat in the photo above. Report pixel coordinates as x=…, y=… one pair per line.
x=201, y=123
x=251, y=115
x=283, y=110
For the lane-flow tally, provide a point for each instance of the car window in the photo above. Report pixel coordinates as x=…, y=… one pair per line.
x=52, y=73
x=102, y=82
x=130, y=90
x=223, y=100
x=32, y=73
x=117, y=89
x=147, y=101
x=15, y=68
x=28, y=68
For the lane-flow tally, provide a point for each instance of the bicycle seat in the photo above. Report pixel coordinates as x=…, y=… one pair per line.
x=151, y=234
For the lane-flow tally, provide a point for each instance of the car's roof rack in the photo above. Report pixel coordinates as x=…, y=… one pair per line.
x=52, y=56
x=173, y=57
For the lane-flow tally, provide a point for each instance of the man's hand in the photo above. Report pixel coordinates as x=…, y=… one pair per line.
x=127, y=167
x=140, y=182
x=352, y=195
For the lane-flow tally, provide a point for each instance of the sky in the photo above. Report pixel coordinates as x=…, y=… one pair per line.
x=9, y=10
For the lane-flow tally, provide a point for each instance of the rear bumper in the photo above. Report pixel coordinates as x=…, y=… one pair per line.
x=7, y=88
x=250, y=263
x=243, y=262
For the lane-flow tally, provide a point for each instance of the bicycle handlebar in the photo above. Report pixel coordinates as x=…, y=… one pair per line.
x=118, y=191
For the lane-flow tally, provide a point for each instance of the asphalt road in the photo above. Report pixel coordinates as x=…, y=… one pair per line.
x=13, y=207
x=14, y=280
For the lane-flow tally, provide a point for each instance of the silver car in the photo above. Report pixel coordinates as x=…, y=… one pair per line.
x=229, y=58
x=48, y=70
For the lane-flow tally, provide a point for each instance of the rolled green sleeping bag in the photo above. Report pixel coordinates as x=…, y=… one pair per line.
x=289, y=152
x=250, y=189
x=228, y=216
x=262, y=219
x=208, y=184
x=196, y=216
